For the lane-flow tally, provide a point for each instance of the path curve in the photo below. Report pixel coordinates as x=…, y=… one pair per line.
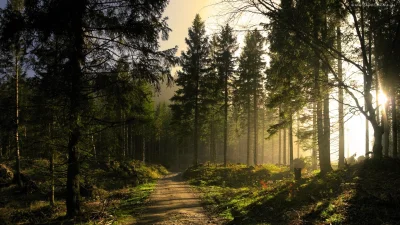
x=174, y=202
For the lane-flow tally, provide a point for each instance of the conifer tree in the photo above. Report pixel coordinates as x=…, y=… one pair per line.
x=195, y=64
x=249, y=83
x=227, y=47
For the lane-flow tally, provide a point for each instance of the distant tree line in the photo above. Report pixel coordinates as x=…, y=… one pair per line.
x=313, y=46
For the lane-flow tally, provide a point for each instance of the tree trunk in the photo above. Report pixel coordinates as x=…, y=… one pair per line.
x=326, y=167
x=51, y=167
x=341, y=99
x=143, y=149
x=255, y=109
x=248, y=130
x=284, y=146
x=367, y=136
x=263, y=137
x=130, y=140
x=291, y=142
x=320, y=128
x=226, y=119
x=17, y=150
x=73, y=173
x=272, y=150
x=213, y=142
x=298, y=136
x=280, y=141
x=386, y=129
x=377, y=148
x=76, y=59
x=196, y=123
x=94, y=148
x=394, y=121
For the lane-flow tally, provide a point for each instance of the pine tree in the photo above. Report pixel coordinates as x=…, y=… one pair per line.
x=288, y=74
x=195, y=64
x=226, y=48
x=13, y=46
x=249, y=83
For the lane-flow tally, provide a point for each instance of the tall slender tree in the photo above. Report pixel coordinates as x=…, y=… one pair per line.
x=195, y=64
x=227, y=47
x=341, y=99
x=249, y=83
x=16, y=9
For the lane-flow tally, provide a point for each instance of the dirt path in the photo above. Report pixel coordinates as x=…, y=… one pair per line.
x=174, y=202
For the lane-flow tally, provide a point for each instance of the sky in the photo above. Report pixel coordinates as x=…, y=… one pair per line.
x=181, y=14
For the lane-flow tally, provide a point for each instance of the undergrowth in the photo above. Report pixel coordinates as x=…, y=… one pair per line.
x=111, y=193
x=365, y=193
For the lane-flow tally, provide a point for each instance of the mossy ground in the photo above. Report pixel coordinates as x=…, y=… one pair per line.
x=365, y=193
x=118, y=196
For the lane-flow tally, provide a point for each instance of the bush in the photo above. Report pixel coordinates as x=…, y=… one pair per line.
x=6, y=175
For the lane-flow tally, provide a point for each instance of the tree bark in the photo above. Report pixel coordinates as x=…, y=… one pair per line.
x=272, y=149
x=143, y=149
x=315, y=139
x=76, y=60
x=263, y=137
x=326, y=166
x=248, y=130
x=341, y=99
x=320, y=128
x=367, y=135
x=196, y=120
x=280, y=141
x=51, y=167
x=17, y=150
x=386, y=130
x=291, y=142
x=213, y=147
x=255, y=109
x=226, y=119
x=284, y=146
x=298, y=138
x=73, y=174
x=394, y=122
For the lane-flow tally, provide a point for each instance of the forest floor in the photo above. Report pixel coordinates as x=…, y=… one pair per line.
x=175, y=202
x=364, y=193
x=111, y=194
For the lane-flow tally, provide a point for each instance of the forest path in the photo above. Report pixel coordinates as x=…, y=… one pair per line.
x=174, y=202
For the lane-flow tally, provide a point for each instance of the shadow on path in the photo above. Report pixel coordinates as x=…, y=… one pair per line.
x=174, y=202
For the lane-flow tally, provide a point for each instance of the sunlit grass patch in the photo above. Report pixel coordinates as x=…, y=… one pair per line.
x=132, y=203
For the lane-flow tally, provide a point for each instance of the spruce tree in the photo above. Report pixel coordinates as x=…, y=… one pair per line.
x=188, y=99
x=249, y=83
x=227, y=47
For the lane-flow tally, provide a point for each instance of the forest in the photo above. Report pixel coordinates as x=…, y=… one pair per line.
x=261, y=126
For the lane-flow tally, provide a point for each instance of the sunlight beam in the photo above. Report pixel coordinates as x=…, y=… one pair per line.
x=382, y=99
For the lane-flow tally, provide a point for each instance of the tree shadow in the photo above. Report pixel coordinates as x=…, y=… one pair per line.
x=300, y=202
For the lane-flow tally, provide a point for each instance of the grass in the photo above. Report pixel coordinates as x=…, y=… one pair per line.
x=132, y=203
x=365, y=193
x=119, y=193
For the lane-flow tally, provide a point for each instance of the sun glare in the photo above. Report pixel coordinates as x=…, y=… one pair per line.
x=382, y=99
